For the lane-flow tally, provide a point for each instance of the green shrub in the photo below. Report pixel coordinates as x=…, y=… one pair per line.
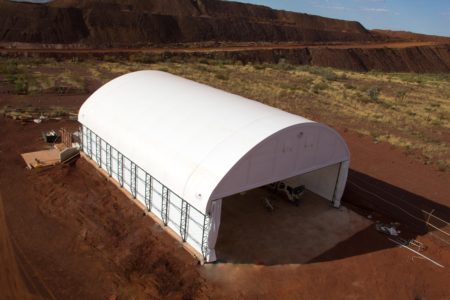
x=260, y=66
x=401, y=95
x=319, y=87
x=329, y=75
x=349, y=86
x=326, y=73
x=222, y=76
x=143, y=58
x=373, y=93
x=284, y=65
x=21, y=85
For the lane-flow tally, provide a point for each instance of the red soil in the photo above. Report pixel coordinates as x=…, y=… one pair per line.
x=69, y=224
x=76, y=236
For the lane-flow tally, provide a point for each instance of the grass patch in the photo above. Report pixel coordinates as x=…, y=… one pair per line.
x=409, y=111
x=326, y=73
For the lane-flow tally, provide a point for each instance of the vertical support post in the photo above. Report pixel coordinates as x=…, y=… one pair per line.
x=108, y=159
x=184, y=220
x=336, y=203
x=89, y=142
x=81, y=131
x=98, y=150
x=133, y=175
x=206, y=226
x=340, y=183
x=120, y=168
x=148, y=191
x=164, y=204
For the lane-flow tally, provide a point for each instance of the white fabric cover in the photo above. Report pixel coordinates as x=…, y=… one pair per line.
x=321, y=182
x=340, y=185
x=216, y=211
x=204, y=143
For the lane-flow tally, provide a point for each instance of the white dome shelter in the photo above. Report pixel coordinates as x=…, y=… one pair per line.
x=180, y=147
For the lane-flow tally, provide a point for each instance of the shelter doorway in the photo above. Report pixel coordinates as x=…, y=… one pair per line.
x=251, y=233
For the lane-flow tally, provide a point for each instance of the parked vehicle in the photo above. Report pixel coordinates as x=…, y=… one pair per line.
x=292, y=191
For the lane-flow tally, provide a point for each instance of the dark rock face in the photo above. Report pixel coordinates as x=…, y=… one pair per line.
x=425, y=59
x=122, y=24
x=138, y=23
x=40, y=24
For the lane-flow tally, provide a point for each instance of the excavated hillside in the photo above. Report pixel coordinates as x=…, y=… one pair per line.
x=408, y=36
x=211, y=28
x=34, y=23
x=133, y=23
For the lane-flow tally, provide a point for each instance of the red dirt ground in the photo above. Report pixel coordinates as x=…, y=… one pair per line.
x=75, y=236
x=67, y=223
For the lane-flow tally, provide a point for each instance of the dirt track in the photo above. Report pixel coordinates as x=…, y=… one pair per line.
x=30, y=48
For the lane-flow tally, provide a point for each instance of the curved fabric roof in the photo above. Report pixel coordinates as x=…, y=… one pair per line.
x=204, y=143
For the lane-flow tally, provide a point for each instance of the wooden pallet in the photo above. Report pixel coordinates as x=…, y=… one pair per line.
x=39, y=159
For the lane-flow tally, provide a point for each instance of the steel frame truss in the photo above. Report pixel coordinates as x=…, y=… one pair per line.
x=148, y=191
x=133, y=174
x=89, y=142
x=108, y=159
x=98, y=150
x=165, y=204
x=206, y=227
x=184, y=220
x=120, y=168
x=80, y=130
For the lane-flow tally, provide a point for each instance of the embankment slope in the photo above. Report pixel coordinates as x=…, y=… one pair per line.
x=132, y=23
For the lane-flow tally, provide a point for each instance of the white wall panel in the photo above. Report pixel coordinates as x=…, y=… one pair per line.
x=114, y=164
x=174, y=213
x=195, y=229
x=322, y=181
x=140, y=185
x=157, y=198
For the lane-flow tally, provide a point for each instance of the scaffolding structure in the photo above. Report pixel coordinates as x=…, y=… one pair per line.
x=191, y=225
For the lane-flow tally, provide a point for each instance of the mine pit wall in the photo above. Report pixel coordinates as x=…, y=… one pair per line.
x=429, y=59
x=185, y=221
x=135, y=23
x=422, y=59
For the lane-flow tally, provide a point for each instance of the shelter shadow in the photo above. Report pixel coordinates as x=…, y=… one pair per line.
x=325, y=238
